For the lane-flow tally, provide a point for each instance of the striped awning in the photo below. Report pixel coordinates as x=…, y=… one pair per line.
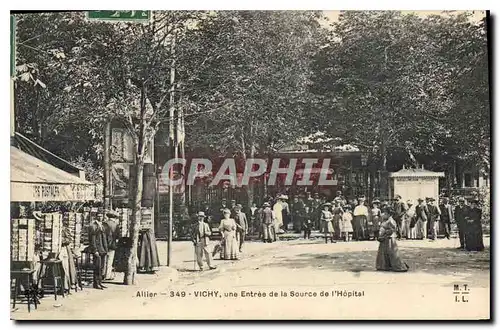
x=31, y=148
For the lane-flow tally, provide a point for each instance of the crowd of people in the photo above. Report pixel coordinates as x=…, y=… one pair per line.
x=108, y=251
x=341, y=220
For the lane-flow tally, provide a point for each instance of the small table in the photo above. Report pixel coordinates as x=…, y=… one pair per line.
x=55, y=267
x=78, y=266
x=29, y=292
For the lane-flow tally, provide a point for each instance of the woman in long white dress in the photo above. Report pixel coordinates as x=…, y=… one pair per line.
x=278, y=211
x=360, y=214
x=229, y=242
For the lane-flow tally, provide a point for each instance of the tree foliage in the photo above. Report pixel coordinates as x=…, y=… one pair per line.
x=394, y=83
x=257, y=81
x=50, y=48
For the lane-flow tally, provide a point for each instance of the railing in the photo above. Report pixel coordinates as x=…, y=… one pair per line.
x=468, y=192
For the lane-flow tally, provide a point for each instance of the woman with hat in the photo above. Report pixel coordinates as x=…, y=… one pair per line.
x=473, y=228
x=66, y=255
x=410, y=220
x=360, y=214
x=337, y=212
x=326, y=220
x=285, y=212
x=278, y=211
x=388, y=258
x=229, y=244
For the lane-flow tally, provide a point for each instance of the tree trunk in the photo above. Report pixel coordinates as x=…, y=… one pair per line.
x=107, y=166
x=383, y=154
x=136, y=195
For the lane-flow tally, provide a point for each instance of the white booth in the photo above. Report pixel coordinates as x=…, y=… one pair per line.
x=414, y=183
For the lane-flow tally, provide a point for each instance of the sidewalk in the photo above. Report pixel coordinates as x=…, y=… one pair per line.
x=298, y=266
x=116, y=293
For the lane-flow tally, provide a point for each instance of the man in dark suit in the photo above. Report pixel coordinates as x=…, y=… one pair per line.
x=98, y=246
x=399, y=213
x=434, y=215
x=446, y=216
x=112, y=231
x=461, y=212
x=421, y=217
x=200, y=236
x=242, y=225
x=220, y=213
x=298, y=214
x=232, y=208
x=315, y=209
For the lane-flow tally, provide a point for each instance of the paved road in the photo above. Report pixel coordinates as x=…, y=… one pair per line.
x=305, y=271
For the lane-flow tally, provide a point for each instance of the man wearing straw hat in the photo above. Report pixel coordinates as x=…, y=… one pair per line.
x=200, y=236
x=268, y=219
x=421, y=217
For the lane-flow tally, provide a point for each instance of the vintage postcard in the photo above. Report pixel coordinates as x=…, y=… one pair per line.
x=250, y=165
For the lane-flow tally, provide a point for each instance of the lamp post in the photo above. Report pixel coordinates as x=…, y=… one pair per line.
x=364, y=162
x=158, y=177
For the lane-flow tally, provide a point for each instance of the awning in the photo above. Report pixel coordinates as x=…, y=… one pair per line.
x=32, y=180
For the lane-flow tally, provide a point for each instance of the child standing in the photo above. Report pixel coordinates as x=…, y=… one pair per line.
x=307, y=224
x=376, y=218
x=347, y=223
x=326, y=219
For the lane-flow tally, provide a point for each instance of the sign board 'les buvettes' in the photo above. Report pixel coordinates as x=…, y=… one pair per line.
x=120, y=15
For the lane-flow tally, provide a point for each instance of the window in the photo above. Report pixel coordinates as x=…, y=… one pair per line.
x=468, y=180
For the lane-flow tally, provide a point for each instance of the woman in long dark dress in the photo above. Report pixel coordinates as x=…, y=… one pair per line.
x=388, y=258
x=337, y=219
x=68, y=261
x=473, y=228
